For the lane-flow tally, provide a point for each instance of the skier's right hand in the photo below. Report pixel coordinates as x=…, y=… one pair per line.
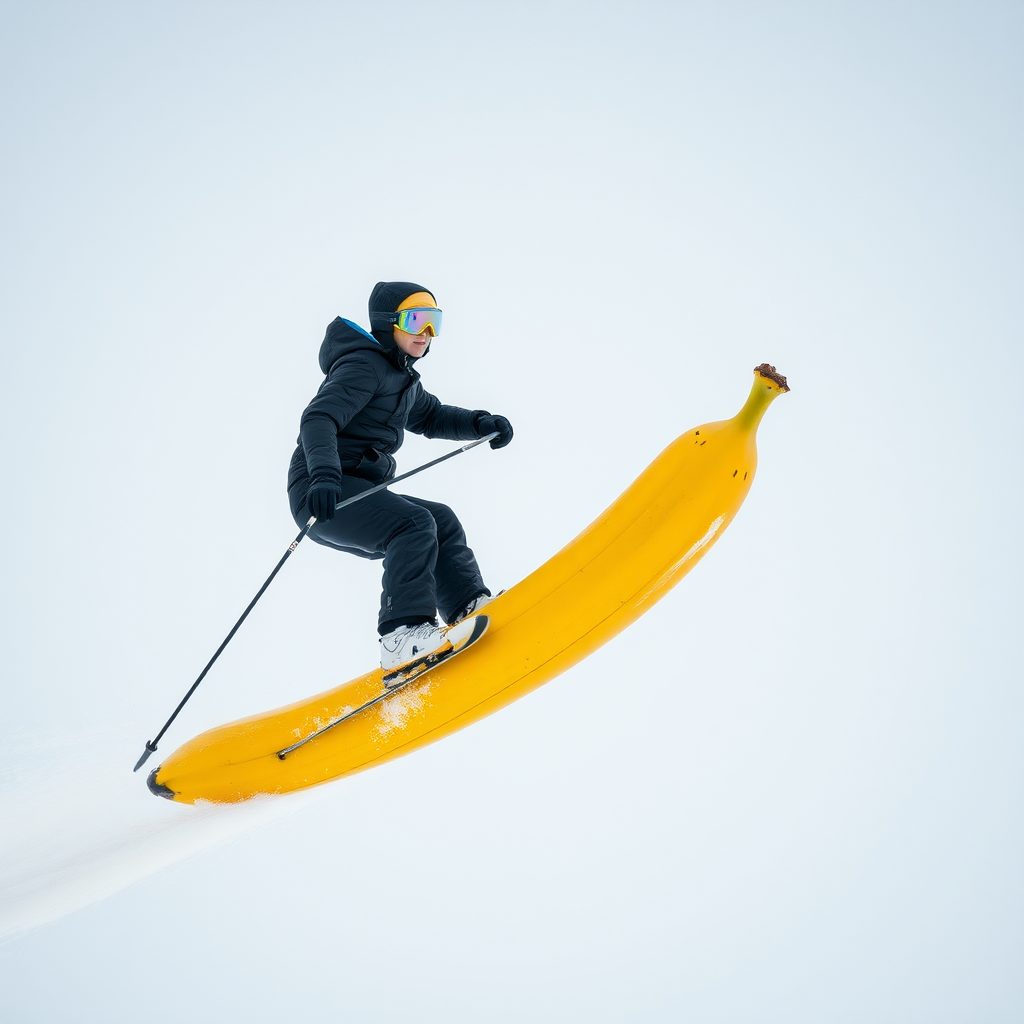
x=321, y=498
x=488, y=424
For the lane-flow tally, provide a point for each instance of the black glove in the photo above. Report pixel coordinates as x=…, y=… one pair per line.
x=488, y=424
x=321, y=498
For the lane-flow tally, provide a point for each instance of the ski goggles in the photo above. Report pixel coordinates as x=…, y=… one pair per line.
x=415, y=320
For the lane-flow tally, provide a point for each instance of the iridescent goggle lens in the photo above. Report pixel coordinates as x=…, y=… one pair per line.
x=418, y=319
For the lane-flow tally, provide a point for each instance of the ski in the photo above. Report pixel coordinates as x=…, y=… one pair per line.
x=395, y=681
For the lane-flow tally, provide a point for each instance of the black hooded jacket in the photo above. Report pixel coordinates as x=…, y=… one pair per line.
x=370, y=397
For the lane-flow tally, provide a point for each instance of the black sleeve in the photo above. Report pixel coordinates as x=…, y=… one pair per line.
x=432, y=419
x=349, y=387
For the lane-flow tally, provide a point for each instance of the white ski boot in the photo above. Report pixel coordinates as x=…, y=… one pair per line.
x=474, y=606
x=407, y=643
x=410, y=651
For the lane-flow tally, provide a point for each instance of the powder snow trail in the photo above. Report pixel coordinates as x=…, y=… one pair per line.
x=78, y=828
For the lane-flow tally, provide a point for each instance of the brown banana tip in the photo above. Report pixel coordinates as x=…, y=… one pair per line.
x=772, y=374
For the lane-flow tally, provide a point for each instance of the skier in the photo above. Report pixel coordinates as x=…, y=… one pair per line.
x=348, y=434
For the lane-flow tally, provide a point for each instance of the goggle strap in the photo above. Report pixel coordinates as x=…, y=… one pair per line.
x=392, y=318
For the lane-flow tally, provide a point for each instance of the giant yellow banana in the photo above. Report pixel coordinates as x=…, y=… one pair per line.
x=599, y=583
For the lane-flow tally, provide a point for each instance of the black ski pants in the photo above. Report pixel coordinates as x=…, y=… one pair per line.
x=428, y=566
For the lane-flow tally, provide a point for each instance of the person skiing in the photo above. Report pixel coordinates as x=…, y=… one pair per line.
x=347, y=437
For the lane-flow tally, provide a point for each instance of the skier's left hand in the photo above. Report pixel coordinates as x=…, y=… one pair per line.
x=488, y=424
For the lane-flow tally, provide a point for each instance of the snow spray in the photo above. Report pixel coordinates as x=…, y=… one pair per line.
x=61, y=851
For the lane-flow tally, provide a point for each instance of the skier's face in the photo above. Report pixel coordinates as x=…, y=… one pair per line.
x=413, y=344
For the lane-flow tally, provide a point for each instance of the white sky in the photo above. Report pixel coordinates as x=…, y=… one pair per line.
x=815, y=814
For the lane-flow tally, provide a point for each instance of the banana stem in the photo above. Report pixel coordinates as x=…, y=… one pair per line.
x=768, y=385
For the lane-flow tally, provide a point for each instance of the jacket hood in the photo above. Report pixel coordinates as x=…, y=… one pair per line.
x=344, y=337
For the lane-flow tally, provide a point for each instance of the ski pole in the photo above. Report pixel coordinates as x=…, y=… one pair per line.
x=151, y=744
